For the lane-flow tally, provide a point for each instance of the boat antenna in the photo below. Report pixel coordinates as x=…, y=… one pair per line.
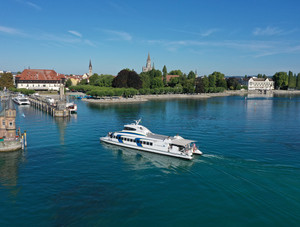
x=138, y=121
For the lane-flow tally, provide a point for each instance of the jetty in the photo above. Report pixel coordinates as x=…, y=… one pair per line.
x=56, y=108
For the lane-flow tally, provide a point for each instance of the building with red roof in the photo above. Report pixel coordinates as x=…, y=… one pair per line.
x=40, y=79
x=169, y=77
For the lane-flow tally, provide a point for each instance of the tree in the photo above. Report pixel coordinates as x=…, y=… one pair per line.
x=83, y=82
x=6, y=80
x=104, y=81
x=93, y=79
x=165, y=72
x=281, y=80
x=233, y=83
x=191, y=75
x=292, y=80
x=189, y=86
x=127, y=79
x=212, y=80
x=220, y=79
x=157, y=83
x=176, y=72
x=173, y=81
x=259, y=75
x=199, y=85
x=145, y=79
x=298, y=81
x=68, y=83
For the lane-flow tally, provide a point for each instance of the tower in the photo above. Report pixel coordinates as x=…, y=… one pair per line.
x=90, y=69
x=148, y=65
x=8, y=120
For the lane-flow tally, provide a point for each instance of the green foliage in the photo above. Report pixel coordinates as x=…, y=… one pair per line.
x=68, y=83
x=127, y=79
x=298, y=81
x=23, y=90
x=165, y=72
x=281, y=80
x=191, y=75
x=156, y=82
x=212, y=80
x=6, y=80
x=233, y=83
x=83, y=82
x=176, y=72
x=173, y=82
x=145, y=79
x=104, y=81
x=292, y=80
x=93, y=79
x=189, y=86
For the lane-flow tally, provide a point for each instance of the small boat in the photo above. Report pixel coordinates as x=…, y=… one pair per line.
x=72, y=107
x=21, y=100
x=139, y=137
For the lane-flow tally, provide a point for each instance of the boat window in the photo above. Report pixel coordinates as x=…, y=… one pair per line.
x=150, y=144
x=147, y=143
x=129, y=129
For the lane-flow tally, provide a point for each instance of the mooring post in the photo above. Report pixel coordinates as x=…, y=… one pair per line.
x=25, y=138
x=22, y=142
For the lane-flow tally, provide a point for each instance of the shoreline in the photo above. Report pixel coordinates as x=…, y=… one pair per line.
x=145, y=98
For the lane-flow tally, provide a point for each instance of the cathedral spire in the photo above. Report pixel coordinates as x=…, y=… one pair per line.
x=90, y=68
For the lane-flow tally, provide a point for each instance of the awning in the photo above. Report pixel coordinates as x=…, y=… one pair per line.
x=181, y=142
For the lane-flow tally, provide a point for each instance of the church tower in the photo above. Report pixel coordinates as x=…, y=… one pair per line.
x=90, y=69
x=148, y=65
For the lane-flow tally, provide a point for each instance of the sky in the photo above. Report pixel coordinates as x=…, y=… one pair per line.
x=234, y=37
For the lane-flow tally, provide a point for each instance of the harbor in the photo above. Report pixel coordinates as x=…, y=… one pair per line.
x=67, y=177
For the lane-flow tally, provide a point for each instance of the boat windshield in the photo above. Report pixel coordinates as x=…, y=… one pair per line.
x=129, y=129
x=23, y=100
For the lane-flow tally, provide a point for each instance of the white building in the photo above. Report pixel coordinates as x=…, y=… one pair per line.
x=255, y=83
x=40, y=80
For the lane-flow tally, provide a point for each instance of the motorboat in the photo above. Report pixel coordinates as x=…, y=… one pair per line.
x=21, y=100
x=139, y=137
x=72, y=107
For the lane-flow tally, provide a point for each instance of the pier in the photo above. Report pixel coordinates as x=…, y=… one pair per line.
x=56, y=109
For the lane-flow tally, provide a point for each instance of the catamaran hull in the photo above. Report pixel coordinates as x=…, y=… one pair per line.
x=106, y=140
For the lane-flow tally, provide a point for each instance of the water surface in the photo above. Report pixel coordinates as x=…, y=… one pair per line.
x=248, y=175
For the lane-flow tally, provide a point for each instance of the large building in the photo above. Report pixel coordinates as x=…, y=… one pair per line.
x=255, y=83
x=148, y=65
x=40, y=80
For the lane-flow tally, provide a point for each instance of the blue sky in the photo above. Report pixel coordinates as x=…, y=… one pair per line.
x=234, y=37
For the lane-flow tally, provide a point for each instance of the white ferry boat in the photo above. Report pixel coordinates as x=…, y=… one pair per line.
x=21, y=100
x=139, y=137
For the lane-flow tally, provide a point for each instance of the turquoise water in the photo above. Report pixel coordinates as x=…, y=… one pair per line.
x=249, y=173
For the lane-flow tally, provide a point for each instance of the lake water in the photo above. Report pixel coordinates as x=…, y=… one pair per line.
x=249, y=173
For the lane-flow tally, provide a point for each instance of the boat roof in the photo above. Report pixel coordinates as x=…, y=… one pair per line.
x=181, y=142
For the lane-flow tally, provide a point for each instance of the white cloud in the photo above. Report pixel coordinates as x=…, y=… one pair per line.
x=90, y=43
x=268, y=31
x=253, y=47
x=35, y=6
x=118, y=35
x=9, y=30
x=209, y=32
x=75, y=33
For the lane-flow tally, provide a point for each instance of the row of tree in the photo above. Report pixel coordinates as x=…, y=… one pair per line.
x=97, y=91
x=284, y=80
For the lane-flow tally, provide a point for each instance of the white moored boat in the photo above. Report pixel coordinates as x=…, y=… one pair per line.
x=21, y=100
x=139, y=137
